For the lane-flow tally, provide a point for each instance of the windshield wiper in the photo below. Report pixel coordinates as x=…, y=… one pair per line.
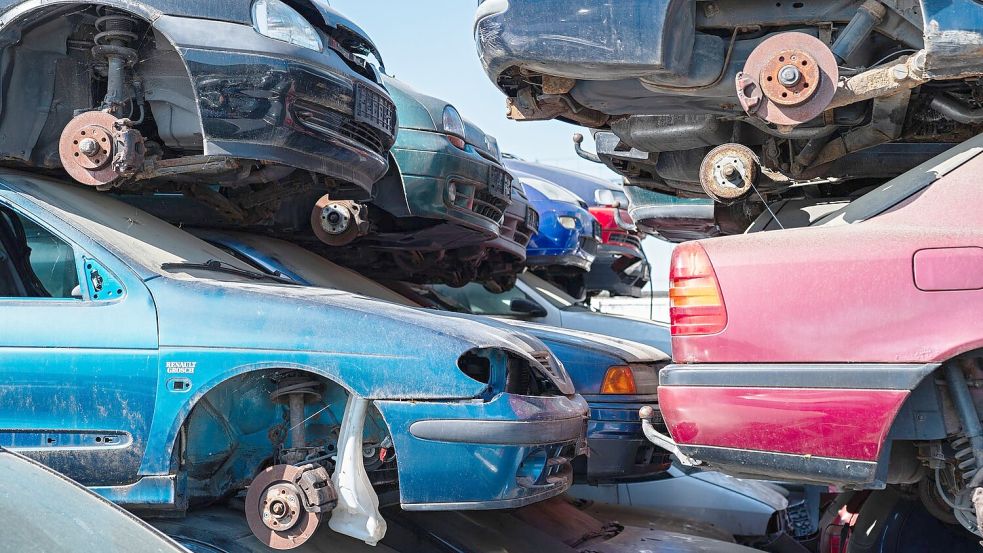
x=222, y=267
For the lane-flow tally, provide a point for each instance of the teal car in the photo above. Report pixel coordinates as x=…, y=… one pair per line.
x=444, y=197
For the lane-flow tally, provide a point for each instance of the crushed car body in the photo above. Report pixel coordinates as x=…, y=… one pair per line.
x=206, y=375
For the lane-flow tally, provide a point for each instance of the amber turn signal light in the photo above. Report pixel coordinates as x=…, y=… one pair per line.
x=618, y=380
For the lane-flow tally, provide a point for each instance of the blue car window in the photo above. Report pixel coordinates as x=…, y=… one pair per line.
x=45, y=263
x=480, y=301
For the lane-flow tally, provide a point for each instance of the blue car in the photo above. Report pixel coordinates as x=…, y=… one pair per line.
x=164, y=373
x=616, y=377
x=565, y=246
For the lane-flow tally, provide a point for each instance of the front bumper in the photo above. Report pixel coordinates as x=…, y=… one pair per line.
x=619, y=450
x=826, y=423
x=429, y=163
x=470, y=454
x=620, y=270
x=284, y=104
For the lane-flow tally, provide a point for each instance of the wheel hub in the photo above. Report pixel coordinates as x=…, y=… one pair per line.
x=98, y=149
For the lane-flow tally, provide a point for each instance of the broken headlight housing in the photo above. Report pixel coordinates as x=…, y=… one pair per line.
x=276, y=20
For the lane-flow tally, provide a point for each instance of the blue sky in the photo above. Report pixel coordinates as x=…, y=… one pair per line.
x=428, y=44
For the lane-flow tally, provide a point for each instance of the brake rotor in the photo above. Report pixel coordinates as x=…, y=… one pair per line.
x=87, y=148
x=336, y=222
x=788, y=79
x=275, y=509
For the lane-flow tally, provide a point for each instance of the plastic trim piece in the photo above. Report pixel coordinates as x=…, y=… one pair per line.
x=499, y=432
x=862, y=376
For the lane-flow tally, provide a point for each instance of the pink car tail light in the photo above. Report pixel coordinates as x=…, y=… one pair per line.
x=696, y=305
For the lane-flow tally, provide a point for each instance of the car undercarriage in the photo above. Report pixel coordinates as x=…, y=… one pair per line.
x=746, y=102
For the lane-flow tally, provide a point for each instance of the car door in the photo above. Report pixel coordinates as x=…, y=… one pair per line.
x=78, y=350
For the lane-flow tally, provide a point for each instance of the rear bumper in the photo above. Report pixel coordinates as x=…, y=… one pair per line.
x=821, y=423
x=581, y=43
x=505, y=453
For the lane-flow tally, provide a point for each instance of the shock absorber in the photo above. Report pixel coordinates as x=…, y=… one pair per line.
x=296, y=391
x=113, y=41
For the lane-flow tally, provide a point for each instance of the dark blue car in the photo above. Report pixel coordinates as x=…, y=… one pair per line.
x=565, y=246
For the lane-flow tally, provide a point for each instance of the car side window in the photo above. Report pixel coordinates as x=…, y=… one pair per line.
x=44, y=264
x=483, y=302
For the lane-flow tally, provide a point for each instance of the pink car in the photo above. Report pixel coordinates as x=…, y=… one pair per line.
x=847, y=352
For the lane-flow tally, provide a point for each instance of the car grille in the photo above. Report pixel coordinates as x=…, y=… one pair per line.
x=625, y=238
x=545, y=359
x=324, y=121
x=487, y=205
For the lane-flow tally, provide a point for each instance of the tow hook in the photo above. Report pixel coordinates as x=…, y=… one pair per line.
x=647, y=413
x=338, y=222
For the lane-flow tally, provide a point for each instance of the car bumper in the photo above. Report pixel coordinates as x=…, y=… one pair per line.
x=820, y=423
x=619, y=270
x=581, y=41
x=518, y=228
x=619, y=450
x=505, y=453
x=284, y=104
x=577, y=259
x=429, y=164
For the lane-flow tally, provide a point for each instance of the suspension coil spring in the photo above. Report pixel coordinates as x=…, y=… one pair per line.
x=965, y=460
x=114, y=35
x=307, y=387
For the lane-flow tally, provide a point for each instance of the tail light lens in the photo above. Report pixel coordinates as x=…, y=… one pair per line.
x=624, y=220
x=618, y=380
x=696, y=305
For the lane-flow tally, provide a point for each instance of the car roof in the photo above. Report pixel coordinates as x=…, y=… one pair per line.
x=65, y=516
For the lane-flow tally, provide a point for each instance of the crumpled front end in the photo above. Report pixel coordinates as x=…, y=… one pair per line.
x=505, y=453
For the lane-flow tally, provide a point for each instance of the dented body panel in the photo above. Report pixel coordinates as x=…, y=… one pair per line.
x=174, y=408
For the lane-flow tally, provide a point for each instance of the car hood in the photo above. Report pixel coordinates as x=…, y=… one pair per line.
x=381, y=339
x=417, y=111
x=359, y=41
x=630, y=352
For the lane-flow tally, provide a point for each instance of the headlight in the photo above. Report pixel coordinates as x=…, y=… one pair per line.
x=566, y=222
x=492, y=144
x=453, y=126
x=274, y=19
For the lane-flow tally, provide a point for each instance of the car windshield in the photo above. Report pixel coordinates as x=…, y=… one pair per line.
x=557, y=297
x=135, y=234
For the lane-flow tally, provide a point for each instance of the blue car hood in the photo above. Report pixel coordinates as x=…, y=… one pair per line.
x=417, y=350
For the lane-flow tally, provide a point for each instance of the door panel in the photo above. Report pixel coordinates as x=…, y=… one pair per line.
x=78, y=375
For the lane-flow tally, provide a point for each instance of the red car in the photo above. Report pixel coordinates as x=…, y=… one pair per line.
x=847, y=352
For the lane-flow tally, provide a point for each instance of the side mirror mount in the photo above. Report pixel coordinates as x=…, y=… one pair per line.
x=527, y=307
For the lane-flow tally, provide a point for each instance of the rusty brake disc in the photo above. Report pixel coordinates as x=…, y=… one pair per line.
x=788, y=79
x=275, y=508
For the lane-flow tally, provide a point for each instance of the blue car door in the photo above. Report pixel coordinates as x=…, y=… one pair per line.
x=78, y=350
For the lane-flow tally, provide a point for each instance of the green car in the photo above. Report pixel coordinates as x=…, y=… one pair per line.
x=444, y=197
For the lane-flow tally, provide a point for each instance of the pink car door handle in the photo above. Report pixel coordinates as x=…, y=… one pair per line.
x=939, y=269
